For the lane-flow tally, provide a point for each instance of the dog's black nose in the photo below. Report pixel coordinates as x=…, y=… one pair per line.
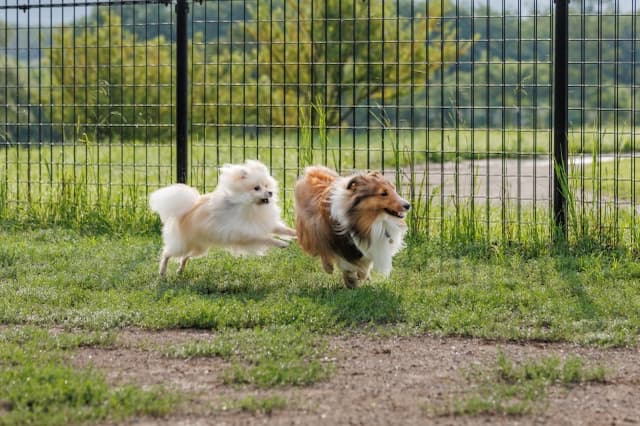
x=270, y=193
x=407, y=206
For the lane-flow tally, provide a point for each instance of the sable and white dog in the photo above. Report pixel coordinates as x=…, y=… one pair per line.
x=357, y=221
x=240, y=215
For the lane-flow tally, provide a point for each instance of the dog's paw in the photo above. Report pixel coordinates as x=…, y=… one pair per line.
x=281, y=243
x=350, y=279
x=285, y=232
x=288, y=237
x=290, y=232
x=327, y=265
x=363, y=276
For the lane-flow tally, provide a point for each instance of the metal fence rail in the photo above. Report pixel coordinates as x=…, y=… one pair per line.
x=453, y=100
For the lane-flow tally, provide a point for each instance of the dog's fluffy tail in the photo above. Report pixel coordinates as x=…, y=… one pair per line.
x=173, y=201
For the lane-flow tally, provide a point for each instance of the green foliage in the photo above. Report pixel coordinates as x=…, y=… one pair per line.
x=124, y=83
x=349, y=53
x=224, y=88
x=112, y=78
x=13, y=97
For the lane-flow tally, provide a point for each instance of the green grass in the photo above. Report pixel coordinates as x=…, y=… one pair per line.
x=272, y=315
x=103, y=188
x=610, y=179
x=79, y=251
x=264, y=357
x=120, y=174
x=517, y=389
x=38, y=386
x=64, y=278
x=257, y=405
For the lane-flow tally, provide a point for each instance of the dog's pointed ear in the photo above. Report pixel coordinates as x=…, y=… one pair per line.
x=256, y=165
x=354, y=182
x=234, y=172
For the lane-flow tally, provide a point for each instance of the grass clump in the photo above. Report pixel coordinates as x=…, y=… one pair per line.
x=549, y=370
x=258, y=405
x=37, y=386
x=517, y=389
x=59, y=341
x=264, y=357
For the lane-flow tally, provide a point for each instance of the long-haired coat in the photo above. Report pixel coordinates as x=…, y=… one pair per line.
x=357, y=222
x=240, y=215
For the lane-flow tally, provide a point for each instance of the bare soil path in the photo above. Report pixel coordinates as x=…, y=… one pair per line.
x=377, y=381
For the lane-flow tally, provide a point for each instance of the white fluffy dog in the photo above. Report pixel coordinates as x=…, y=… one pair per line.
x=240, y=215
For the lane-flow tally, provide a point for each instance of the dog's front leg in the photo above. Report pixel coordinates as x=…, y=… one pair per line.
x=350, y=279
x=282, y=229
x=273, y=242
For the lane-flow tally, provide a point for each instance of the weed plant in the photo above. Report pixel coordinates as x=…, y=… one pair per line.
x=518, y=389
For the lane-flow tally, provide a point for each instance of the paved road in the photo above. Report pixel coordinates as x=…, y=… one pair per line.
x=529, y=180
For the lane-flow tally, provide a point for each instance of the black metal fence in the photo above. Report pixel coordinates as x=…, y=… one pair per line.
x=461, y=102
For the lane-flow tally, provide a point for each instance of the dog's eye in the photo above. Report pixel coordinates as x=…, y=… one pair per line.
x=384, y=194
x=257, y=188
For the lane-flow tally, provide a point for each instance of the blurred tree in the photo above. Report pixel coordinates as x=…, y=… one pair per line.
x=222, y=87
x=105, y=83
x=338, y=54
x=20, y=122
x=211, y=19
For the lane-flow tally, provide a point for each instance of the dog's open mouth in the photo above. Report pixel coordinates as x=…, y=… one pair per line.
x=264, y=201
x=400, y=215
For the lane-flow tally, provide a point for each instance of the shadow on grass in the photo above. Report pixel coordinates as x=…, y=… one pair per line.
x=292, y=303
x=285, y=288
x=214, y=284
x=569, y=272
x=371, y=303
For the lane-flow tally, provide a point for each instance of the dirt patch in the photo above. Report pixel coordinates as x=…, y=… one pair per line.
x=377, y=381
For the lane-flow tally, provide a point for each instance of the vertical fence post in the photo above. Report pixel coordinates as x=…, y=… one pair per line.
x=561, y=120
x=182, y=9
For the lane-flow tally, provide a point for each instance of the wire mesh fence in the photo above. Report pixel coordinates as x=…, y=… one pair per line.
x=451, y=99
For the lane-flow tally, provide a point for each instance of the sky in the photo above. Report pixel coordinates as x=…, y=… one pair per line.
x=55, y=15
x=58, y=14
x=46, y=15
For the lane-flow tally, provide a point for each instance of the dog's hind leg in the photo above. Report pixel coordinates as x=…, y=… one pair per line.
x=163, y=264
x=349, y=273
x=183, y=263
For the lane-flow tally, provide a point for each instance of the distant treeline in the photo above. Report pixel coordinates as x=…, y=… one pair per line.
x=287, y=63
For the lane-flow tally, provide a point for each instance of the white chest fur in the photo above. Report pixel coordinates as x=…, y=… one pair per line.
x=386, y=240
